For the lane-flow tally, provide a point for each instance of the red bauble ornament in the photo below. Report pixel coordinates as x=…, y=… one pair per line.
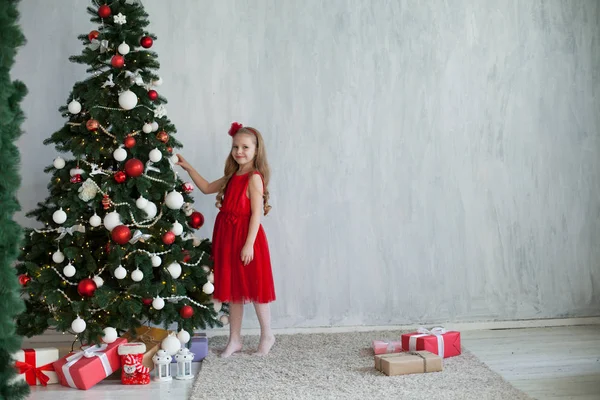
x=134, y=167
x=196, y=220
x=146, y=302
x=120, y=177
x=93, y=35
x=24, y=279
x=152, y=94
x=129, y=141
x=104, y=11
x=187, y=187
x=76, y=178
x=117, y=61
x=87, y=287
x=186, y=312
x=146, y=42
x=92, y=125
x=170, y=149
x=121, y=234
x=168, y=238
x=107, y=248
x=186, y=256
x=162, y=136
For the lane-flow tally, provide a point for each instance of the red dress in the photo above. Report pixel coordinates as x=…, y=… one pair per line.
x=234, y=281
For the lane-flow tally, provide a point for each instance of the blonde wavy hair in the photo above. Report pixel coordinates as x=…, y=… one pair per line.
x=260, y=164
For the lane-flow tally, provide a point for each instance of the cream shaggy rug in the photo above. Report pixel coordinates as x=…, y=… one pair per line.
x=338, y=366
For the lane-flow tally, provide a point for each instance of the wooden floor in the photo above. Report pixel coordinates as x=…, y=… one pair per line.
x=546, y=363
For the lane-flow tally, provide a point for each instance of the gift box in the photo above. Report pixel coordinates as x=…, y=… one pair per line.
x=35, y=365
x=380, y=357
x=417, y=362
x=437, y=340
x=386, y=346
x=198, y=345
x=85, y=368
x=152, y=338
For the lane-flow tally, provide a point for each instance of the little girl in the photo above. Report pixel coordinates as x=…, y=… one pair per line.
x=242, y=264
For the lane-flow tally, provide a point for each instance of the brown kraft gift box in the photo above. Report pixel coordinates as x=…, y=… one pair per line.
x=414, y=362
x=151, y=337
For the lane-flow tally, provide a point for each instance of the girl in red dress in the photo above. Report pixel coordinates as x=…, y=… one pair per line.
x=242, y=264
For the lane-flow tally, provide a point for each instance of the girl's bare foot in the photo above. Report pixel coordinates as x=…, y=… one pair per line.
x=265, y=345
x=232, y=347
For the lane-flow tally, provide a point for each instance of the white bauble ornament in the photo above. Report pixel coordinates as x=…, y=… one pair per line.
x=211, y=277
x=59, y=216
x=127, y=100
x=59, y=163
x=174, y=200
x=183, y=336
x=120, y=272
x=74, y=107
x=137, y=275
x=141, y=203
x=58, y=257
x=158, y=303
x=157, y=82
x=217, y=305
x=110, y=335
x=98, y=281
x=156, y=261
x=147, y=128
x=95, y=220
x=224, y=319
x=120, y=154
x=187, y=209
x=154, y=125
x=112, y=220
x=150, y=210
x=171, y=344
x=123, y=48
x=206, y=268
x=155, y=155
x=175, y=270
x=78, y=325
x=177, y=228
x=174, y=159
x=196, y=241
x=208, y=288
x=69, y=270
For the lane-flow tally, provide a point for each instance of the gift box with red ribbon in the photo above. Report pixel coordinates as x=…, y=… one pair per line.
x=85, y=368
x=35, y=365
x=437, y=341
x=386, y=346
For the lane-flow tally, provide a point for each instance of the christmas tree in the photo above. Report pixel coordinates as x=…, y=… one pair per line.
x=118, y=248
x=11, y=118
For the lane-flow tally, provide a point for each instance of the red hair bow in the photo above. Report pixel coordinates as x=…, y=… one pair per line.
x=235, y=127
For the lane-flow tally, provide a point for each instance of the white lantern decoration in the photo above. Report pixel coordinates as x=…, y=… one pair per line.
x=59, y=216
x=112, y=220
x=174, y=200
x=154, y=125
x=95, y=220
x=69, y=270
x=162, y=366
x=171, y=344
x=98, y=281
x=147, y=128
x=74, y=107
x=150, y=210
x=78, y=325
x=141, y=203
x=175, y=270
x=177, y=228
x=120, y=154
x=156, y=261
x=208, y=288
x=158, y=303
x=155, y=155
x=110, y=335
x=59, y=163
x=127, y=100
x=137, y=275
x=120, y=272
x=183, y=336
x=157, y=82
x=58, y=257
x=184, y=360
x=123, y=48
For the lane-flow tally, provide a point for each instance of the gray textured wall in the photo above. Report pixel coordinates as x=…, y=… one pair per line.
x=433, y=160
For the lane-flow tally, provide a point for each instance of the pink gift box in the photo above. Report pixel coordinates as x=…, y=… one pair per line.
x=386, y=346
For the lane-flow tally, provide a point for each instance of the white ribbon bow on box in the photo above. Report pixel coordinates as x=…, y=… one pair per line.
x=87, y=352
x=437, y=332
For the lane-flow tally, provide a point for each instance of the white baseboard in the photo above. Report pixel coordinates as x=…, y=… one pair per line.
x=52, y=336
